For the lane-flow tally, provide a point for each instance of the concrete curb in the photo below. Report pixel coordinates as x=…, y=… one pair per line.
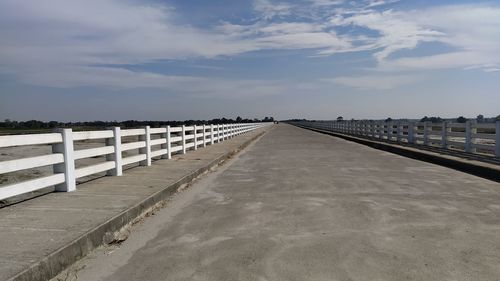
x=65, y=256
x=477, y=168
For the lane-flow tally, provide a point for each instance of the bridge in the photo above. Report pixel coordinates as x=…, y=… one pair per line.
x=293, y=204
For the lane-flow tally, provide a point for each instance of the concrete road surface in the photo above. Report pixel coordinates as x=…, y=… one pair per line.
x=299, y=205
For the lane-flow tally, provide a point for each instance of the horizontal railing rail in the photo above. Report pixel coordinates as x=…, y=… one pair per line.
x=471, y=137
x=149, y=143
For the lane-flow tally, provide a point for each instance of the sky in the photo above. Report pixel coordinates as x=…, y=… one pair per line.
x=84, y=60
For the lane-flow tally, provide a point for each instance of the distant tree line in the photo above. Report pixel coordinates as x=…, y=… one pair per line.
x=36, y=124
x=479, y=119
x=433, y=119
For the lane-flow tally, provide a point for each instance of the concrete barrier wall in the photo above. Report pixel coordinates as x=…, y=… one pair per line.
x=149, y=142
x=471, y=137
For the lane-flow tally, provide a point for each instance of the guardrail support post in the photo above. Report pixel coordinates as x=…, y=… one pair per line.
x=211, y=134
x=204, y=135
x=183, y=139
x=399, y=132
x=195, y=139
x=411, y=132
x=389, y=130
x=116, y=142
x=444, y=134
x=497, y=139
x=68, y=166
x=167, y=145
x=426, y=133
x=468, y=136
x=147, y=149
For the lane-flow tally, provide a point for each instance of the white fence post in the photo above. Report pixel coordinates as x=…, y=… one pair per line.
x=68, y=166
x=444, y=134
x=411, y=132
x=147, y=149
x=399, y=132
x=167, y=145
x=219, y=128
x=116, y=142
x=211, y=134
x=497, y=139
x=204, y=135
x=468, y=136
x=426, y=133
x=195, y=128
x=389, y=130
x=183, y=139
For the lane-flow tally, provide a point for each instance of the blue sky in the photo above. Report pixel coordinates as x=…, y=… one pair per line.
x=194, y=59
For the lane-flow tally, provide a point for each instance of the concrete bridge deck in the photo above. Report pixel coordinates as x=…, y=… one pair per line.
x=42, y=236
x=299, y=205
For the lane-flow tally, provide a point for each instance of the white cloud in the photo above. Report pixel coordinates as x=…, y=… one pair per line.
x=463, y=59
x=375, y=3
x=76, y=43
x=375, y=82
x=396, y=32
x=270, y=10
x=122, y=79
x=474, y=30
x=42, y=40
x=326, y=2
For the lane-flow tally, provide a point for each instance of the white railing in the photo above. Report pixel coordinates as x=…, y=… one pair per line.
x=151, y=142
x=471, y=137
